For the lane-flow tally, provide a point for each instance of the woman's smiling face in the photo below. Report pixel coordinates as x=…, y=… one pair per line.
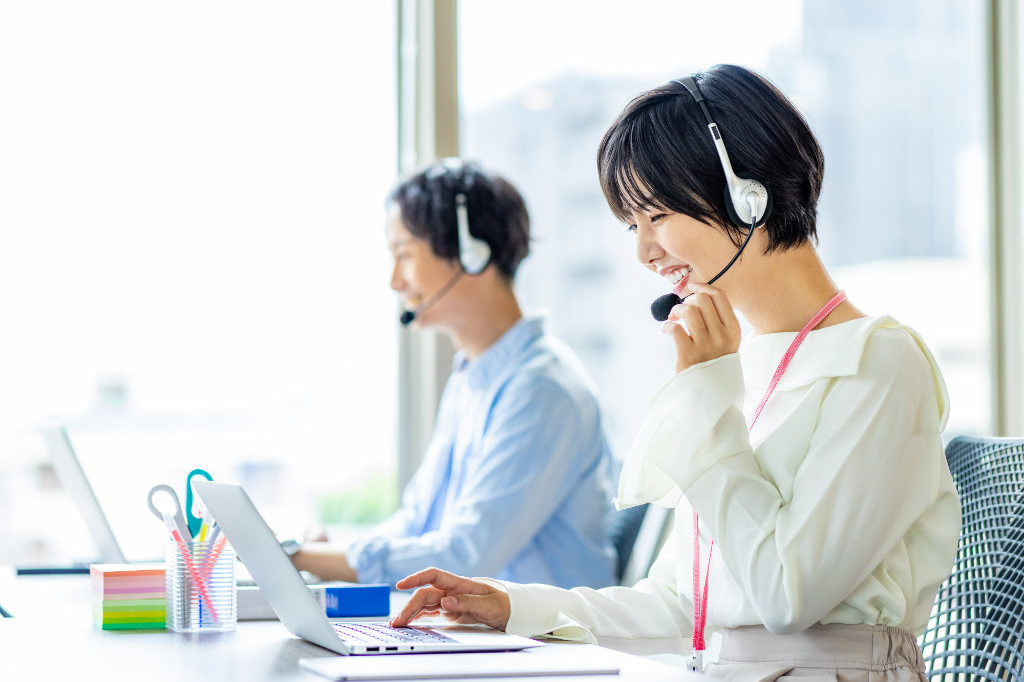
x=683, y=249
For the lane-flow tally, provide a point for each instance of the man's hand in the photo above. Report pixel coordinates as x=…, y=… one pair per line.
x=460, y=600
x=326, y=561
x=714, y=329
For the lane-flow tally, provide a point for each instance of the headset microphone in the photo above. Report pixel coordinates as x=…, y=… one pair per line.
x=409, y=315
x=747, y=199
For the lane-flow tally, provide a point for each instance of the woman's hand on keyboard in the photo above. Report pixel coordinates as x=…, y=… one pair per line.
x=460, y=600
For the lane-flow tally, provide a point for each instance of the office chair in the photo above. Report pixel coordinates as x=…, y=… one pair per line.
x=976, y=631
x=622, y=528
x=638, y=535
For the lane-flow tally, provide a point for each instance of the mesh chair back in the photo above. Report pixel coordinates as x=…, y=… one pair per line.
x=623, y=527
x=976, y=631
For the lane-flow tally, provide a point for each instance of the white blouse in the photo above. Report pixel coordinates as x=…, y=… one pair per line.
x=837, y=508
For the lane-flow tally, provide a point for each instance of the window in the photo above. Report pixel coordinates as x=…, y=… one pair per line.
x=193, y=266
x=894, y=91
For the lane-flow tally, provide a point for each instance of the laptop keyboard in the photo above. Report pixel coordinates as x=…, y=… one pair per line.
x=373, y=633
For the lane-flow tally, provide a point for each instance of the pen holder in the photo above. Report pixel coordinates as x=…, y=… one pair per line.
x=201, y=590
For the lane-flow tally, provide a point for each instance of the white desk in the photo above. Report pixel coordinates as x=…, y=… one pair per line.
x=51, y=637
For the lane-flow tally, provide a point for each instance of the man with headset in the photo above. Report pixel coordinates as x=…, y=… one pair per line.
x=513, y=482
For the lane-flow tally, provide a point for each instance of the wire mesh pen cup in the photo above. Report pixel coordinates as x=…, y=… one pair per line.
x=201, y=591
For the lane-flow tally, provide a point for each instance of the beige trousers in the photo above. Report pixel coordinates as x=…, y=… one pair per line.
x=822, y=653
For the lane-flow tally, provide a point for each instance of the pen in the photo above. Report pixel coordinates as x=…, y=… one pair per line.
x=214, y=533
x=197, y=578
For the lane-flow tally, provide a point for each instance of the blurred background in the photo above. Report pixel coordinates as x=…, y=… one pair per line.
x=193, y=270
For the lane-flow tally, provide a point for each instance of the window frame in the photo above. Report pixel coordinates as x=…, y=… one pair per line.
x=428, y=128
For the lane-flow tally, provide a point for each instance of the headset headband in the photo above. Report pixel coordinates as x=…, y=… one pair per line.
x=691, y=85
x=747, y=197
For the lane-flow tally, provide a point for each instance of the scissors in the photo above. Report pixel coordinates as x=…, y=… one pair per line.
x=194, y=523
x=179, y=520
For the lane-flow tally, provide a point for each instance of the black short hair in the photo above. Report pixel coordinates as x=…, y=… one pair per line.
x=659, y=154
x=497, y=212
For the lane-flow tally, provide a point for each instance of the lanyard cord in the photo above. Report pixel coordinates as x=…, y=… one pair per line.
x=815, y=321
x=700, y=601
x=700, y=597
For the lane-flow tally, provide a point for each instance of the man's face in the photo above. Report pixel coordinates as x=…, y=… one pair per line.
x=418, y=273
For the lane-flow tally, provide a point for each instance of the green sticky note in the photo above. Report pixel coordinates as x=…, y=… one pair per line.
x=132, y=626
x=131, y=615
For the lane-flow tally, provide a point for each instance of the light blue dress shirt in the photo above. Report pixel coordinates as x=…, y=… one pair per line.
x=514, y=483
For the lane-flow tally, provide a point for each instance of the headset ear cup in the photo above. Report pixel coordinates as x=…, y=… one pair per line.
x=732, y=209
x=475, y=257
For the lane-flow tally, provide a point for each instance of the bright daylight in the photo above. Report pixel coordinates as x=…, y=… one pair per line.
x=643, y=340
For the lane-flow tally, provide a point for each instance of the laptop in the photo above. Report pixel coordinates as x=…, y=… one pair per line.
x=72, y=477
x=298, y=609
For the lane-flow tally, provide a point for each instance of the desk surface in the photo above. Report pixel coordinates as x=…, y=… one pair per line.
x=51, y=637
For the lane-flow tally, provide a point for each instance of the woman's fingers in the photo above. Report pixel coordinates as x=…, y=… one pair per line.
x=490, y=609
x=456, y=598
x=683, y=342
x=422, y=601
x=712, y=325
x=696, y=325
x=723, y=307
x=712, y=329
x=431, y=576
x=416, y=617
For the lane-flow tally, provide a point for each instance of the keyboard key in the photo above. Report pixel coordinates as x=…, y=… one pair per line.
x=374, y=634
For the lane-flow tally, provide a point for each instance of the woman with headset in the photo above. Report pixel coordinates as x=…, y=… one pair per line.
x=815, y=516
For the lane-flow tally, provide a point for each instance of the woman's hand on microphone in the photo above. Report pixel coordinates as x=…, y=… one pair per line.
x=713, y=328
x=460, y=600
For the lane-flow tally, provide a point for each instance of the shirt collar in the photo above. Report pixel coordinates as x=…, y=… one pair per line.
x=480, y=373
x=830, y=352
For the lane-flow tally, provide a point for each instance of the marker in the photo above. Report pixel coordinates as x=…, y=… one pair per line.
x=207, y=522
x=196, y=577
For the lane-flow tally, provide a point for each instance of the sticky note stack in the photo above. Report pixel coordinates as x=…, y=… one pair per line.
x=126, y=597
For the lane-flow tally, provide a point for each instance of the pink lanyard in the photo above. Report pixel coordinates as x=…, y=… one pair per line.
x=700, y=597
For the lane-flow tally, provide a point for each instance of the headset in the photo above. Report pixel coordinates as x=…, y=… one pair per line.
x=474, y=253
x=748, y=199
